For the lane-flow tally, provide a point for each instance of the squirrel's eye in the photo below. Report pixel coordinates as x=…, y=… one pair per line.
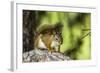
x=56, y=39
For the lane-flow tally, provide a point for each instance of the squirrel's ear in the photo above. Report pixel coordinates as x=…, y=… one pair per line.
x=58, y=26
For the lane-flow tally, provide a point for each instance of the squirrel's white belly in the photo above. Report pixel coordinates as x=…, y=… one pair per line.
x=41, y=45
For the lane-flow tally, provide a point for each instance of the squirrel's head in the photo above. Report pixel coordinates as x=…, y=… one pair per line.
x=53, y=29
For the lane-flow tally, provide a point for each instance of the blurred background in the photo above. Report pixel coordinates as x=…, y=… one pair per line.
x=76, y=31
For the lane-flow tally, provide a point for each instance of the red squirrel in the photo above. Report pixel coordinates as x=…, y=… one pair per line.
x=49, y=39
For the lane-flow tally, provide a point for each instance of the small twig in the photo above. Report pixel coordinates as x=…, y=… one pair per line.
x=85, y=35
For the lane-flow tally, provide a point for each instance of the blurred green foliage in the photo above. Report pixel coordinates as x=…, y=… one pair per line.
x=75, y=32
